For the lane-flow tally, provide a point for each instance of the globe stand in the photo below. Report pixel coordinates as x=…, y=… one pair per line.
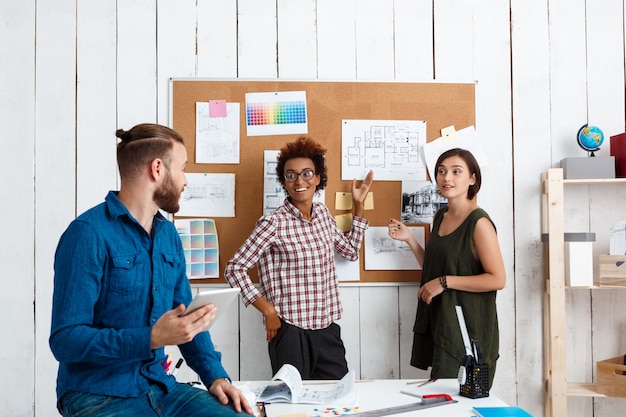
x=589, y=138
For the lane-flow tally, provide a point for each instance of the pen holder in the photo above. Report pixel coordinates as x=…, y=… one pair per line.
x=477, y=380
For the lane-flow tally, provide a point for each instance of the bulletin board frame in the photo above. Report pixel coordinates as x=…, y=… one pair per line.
x=328, y=103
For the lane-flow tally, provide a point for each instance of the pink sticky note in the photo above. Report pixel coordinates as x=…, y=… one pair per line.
x=217, y=108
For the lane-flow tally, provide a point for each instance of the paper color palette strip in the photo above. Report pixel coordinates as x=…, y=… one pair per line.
x=289, y=112
x=200, y=245
x=276, y=113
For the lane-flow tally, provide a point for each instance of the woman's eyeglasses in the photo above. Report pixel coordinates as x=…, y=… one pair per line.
x=306, y=174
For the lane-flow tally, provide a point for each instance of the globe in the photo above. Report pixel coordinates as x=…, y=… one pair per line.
x=590, y=138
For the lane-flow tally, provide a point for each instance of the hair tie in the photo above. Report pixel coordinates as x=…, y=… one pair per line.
x=123, y=135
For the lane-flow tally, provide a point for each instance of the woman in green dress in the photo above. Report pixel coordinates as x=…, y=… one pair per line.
x=461, y=265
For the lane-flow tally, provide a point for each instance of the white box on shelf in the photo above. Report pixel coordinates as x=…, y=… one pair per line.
x=579, y=264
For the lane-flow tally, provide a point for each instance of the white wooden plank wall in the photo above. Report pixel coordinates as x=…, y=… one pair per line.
x=136, y=64
x=374, y=40
x=176, y=48
x=73, y=71
x=531, y=114
x=371, y=334
x=55, y=170
x=257, y=39
x=217, y=39
x=491, y=67
x=336, y=39
x=96, y=169
x=17, y=101
x=605, y=96
x=413, y=39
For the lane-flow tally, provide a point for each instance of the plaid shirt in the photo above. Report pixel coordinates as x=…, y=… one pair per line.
x=296, y=264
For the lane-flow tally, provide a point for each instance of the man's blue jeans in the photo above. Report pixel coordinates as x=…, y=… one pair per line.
x=183, y=401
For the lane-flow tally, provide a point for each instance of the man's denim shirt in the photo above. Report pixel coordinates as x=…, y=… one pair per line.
x=112, y=282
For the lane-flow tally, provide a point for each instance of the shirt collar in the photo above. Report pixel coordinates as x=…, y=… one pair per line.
x=117, y=208
x=294, y=210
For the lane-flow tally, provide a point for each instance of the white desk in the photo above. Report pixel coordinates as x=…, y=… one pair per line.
x=379, y=394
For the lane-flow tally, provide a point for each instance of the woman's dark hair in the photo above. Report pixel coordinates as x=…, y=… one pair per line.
x=472, y=165
x=142, y=144
x=303, y=147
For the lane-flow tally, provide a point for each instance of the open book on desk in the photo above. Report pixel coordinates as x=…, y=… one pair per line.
x=287, y=387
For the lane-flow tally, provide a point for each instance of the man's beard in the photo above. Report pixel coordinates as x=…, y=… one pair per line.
x=167, y=196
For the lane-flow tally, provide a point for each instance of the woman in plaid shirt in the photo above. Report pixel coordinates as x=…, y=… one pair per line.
x=294, y=248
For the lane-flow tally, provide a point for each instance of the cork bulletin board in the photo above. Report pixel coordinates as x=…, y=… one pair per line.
x=328, y=103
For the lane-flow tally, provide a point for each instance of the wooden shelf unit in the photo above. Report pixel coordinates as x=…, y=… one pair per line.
x=555, y=363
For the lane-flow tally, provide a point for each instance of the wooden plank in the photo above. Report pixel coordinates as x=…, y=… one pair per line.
x=254, y=361
x=454, y=47
x=413, y=39
x=257, y=39
x=605, y=67
x=556, y=359
x=217, y=38
x=297, y=42
x=491, y=65
x=176, y=42
x=374, y=40
x=55, y=175
x=379, y=333
x=336, y=39
x=350, y=329
x=568, y=78
x=530, y=90
x=96, y=102
x=17, y=103
x=136, y=63
x=407, y=309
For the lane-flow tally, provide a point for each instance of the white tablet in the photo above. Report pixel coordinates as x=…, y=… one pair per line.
x=221, y=298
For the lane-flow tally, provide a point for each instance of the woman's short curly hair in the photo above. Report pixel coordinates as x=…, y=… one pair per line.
x=303, y=147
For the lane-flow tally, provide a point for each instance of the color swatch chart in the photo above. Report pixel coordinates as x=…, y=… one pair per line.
x=288, y=112
x=200, y=245
x=277, y=113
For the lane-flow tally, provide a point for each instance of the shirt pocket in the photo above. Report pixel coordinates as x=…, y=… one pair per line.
x=124, y=274
x=171, y=269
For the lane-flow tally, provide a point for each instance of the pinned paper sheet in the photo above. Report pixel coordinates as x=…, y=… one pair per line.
x=343, y=201
x=217, y=108
x=466, y=138
x=344, y=221
x=369, y=201
x=448, y=134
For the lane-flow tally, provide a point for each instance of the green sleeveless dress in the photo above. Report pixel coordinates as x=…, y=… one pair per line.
x=437, y=339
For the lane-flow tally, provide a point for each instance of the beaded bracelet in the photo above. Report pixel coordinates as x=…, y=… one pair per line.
x=443, y=280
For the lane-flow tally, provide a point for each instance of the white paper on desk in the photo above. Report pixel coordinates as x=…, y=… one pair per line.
x=287, y=386
x=248, y=392
x=618, y=238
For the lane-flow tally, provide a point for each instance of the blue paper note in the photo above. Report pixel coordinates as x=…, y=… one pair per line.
x=510, y=411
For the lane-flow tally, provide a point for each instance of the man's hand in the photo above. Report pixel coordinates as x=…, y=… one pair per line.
x=174, y=329
x=223, y=390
